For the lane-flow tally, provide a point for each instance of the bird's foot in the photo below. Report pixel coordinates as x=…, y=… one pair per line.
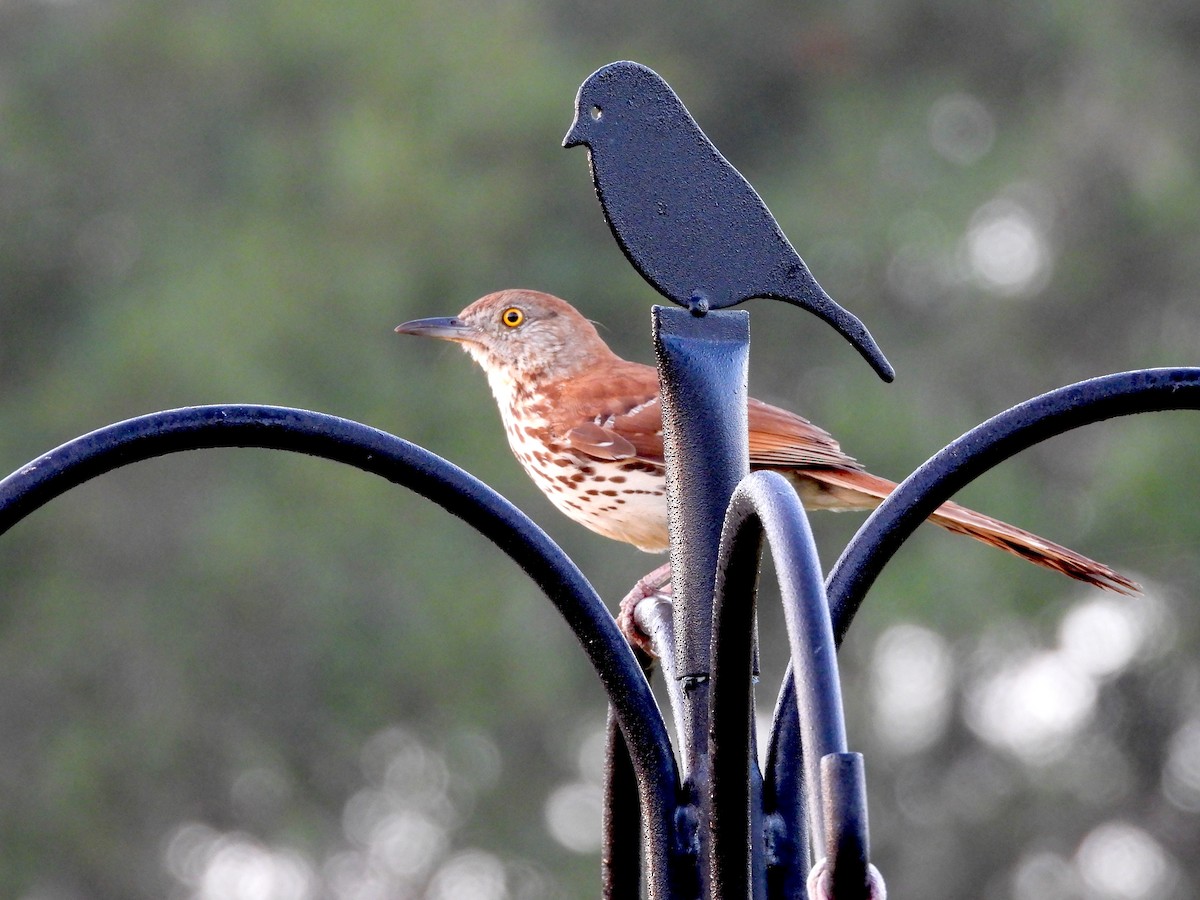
x=698, y=305
x=656, y=585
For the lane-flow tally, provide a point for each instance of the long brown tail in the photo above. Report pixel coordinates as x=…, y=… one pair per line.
x=851, y=489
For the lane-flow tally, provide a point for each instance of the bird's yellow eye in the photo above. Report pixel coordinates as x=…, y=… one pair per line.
x=512, y=317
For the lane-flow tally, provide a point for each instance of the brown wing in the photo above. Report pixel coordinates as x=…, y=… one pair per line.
x=617, y=411
x=599, y=442
x=784, y=440
x=621, y=418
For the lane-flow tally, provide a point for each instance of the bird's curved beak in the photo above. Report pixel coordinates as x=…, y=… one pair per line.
x=446, y=328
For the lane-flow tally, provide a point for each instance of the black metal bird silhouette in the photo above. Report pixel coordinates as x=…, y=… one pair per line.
x=687, y=220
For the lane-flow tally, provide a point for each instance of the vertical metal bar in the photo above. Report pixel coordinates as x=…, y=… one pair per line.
x=789, y=855
x=703, y=364
x=735, y=864
x=758, y=849
x=847, y=847
x=654, y=616
x=621, y=860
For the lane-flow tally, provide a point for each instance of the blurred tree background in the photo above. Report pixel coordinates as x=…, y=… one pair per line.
x=234, y=674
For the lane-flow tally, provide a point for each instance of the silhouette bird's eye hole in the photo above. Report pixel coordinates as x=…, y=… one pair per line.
x=512, y=317
x=596, y=113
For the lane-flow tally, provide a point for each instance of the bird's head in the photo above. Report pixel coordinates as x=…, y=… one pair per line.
x=614, y=95
x=519, y=336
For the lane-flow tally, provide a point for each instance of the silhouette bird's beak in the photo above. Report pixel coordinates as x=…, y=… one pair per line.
x=574, y=138
x=446, y=328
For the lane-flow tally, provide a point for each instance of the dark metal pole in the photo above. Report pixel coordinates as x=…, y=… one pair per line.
x=786, y=826
x=702, y=362
x=736, y=854
x=655, y=617
x=847, y=848
x=621, y=859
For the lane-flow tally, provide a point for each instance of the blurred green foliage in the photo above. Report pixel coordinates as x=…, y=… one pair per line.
x=212, y=201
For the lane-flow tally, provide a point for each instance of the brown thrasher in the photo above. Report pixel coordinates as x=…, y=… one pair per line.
x=587, y=427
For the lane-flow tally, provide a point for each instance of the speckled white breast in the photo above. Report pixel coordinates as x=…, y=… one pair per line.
x=620, y=499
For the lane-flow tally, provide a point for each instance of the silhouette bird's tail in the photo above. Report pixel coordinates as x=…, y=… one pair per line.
x=851, y=489
x=812, y=297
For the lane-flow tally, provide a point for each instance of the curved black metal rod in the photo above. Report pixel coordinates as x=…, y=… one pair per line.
x=985, y=446
x=940, y=477
x=456, y=491
x=764, y=503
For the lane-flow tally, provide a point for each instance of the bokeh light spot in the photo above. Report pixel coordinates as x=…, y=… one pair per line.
x=961, y=129
x=911, y=674
x=1119, y=861
x=1006, y=249
x=573, y=814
